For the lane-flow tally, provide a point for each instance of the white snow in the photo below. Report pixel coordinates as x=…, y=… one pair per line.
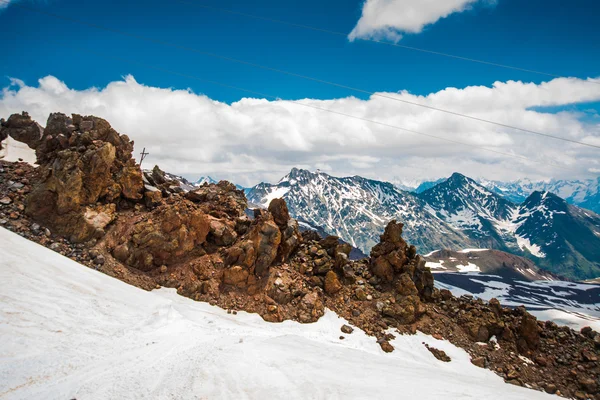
x=563, y=317
x=434, y=265
x=277, y=193
x=67, y=331
x=472, y=250
x=12, y=150
x=534, y=249
x=470, y=267
x=431, y=253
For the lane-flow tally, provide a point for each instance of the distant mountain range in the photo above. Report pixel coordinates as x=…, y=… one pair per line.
x=582, y=193
x=357, y=209
x=455, y=214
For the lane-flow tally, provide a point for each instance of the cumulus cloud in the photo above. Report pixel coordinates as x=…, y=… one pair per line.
x=254, y=139
x=388, y=19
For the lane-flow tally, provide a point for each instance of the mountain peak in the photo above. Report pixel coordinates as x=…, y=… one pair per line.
x=457, y=177
x=204, y=179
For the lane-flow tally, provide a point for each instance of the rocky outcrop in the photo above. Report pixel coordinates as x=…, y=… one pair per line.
x=167, y=235
x=21, y=128
x=271, y=237
x=221, y=200
x=396, y=264
x=86, y=170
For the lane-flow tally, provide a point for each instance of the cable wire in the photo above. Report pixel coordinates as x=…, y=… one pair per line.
x=387, y=43
x=243, y=62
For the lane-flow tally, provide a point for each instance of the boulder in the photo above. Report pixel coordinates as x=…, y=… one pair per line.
x=332, y=283
x=23, y=129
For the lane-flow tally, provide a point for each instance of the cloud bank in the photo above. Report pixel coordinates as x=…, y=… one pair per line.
x=388, y=19
x=256, y=139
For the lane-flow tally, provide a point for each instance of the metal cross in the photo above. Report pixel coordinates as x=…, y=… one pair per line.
x=143, y=154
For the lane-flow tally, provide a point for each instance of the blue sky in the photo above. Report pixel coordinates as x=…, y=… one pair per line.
x=248, y=140
x=550, y=36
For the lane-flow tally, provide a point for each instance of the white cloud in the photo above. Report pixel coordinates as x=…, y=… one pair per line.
x=388, y=19
x=4, y=3
x=255, y=139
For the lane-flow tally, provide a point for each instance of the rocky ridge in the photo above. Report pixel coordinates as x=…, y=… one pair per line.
x=202, y=243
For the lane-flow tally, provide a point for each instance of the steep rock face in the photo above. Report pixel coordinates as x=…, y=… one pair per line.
x=85, y=169
x=358, y=209
x=22, y=128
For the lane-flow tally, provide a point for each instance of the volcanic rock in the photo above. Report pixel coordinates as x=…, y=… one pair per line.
x=22, y=128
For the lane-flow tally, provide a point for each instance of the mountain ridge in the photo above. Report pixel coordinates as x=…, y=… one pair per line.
x=454, y=214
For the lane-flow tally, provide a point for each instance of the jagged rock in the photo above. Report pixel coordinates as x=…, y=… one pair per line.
x=152, y=198
x=529, y=333
x=222, y=200
x=390, y=261
x=23, y=129
x=290, y=234
x=405, y=311
x=332, y=283
x=386, y=346
x=222, y=232
x=588, y=384
x=266, y=238
x=347, y=329
x=78, y=170
x=478, y=361
x=439, y=354
x=405, y=286
x=311, y=307
x=259, y=246
x=168, y=233
x=279, y=211
x=236, y=276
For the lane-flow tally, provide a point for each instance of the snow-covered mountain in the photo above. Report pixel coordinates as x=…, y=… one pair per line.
x=562, y=238
x=205, y=179
x=470, y=208
x=566, y=238
x=582, y=193
x=357, y=209
x=423, y=186
x=456, y=213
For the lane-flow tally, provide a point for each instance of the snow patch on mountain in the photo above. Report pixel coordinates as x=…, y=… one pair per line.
x=525, y=244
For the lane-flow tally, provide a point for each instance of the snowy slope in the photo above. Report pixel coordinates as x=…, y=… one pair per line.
x=12, y=150
x=70, y=332
x=357, y=209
